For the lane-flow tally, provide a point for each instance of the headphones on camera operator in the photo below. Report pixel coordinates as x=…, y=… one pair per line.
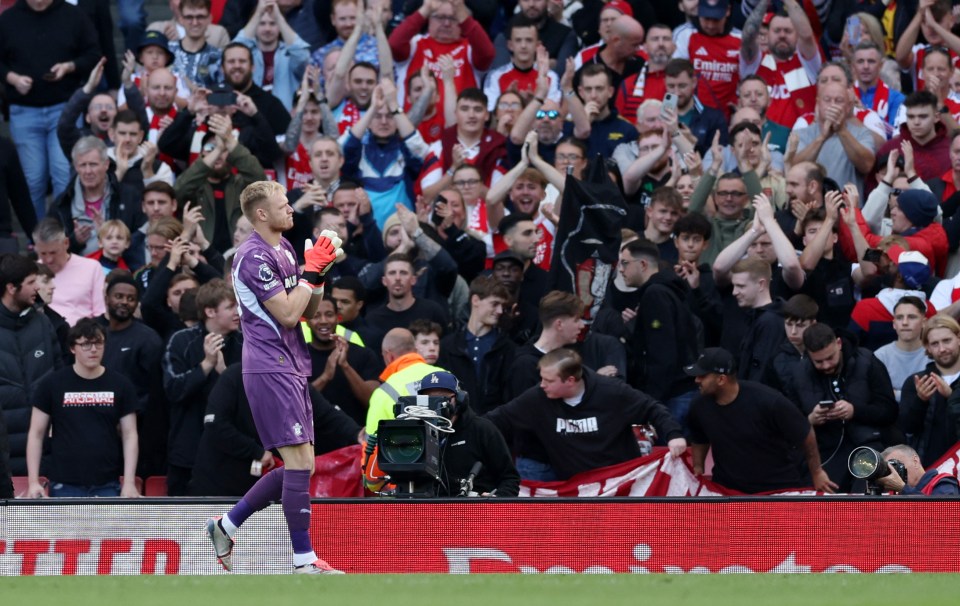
x=440, y=404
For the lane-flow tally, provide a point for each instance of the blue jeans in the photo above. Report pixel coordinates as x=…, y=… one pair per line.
x=110, y=489
x=34, y=131
x=679, y=407
x=133, y=22
x=531, y=469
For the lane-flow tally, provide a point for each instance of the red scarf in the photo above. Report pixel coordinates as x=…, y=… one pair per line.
x=881, y=99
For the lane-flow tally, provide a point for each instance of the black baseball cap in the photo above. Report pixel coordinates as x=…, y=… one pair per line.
x=508, y=255
x=713, y=360
x=155, y=38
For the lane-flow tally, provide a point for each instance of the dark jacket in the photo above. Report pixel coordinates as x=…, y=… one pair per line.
x=926, y=424
x=229, y=442
x=488, y=390
x=477, y=439
x=188, y=389
x=193, y=186
x=705, y=123
x=596, y=432
x=256, y=135
x=29, y=351
x=779, y=374
x=865, y=383
x=761, y=342
x=469, y=252
x=31, y=42
x=664, y=338
x=14, y=193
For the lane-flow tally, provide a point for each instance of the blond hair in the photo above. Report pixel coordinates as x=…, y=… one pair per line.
x=255, y=194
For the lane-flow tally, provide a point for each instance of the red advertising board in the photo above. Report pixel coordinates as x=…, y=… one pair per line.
x=679, y=536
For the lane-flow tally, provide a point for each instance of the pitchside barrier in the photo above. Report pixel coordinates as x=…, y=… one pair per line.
x=614, y=535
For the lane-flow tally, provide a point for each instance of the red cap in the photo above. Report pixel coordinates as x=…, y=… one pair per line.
x=620, y=5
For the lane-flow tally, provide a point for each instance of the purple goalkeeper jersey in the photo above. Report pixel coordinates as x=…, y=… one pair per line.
x=260, y=271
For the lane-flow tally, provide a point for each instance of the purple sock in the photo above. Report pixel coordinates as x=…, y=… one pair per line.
x=296, y=508
x=267, y=489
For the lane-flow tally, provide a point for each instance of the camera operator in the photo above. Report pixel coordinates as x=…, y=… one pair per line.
x=474, y=439
x=919, y=481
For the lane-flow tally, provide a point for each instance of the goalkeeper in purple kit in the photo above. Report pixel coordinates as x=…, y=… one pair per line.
x=273, y=295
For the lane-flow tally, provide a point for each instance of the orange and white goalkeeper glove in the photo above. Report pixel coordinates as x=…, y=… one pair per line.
x=318, y=258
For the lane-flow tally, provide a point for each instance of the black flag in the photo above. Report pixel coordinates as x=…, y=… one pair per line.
x=587, y=245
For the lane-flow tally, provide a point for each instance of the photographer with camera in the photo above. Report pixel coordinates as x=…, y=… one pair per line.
x=919, y=481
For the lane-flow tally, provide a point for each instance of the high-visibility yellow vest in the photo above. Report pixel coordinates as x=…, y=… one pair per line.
x=350, y=336
x=404, y=382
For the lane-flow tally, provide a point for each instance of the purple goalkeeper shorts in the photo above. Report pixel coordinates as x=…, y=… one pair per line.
x=281, y=407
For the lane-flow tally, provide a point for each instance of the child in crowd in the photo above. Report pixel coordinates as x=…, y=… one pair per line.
x=114, y=238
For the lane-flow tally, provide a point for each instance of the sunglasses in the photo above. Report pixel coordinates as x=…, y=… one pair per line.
x=549, y=113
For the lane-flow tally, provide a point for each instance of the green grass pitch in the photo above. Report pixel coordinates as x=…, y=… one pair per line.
x=487, y=590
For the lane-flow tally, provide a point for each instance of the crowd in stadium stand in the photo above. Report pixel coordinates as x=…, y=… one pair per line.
x=734, y=221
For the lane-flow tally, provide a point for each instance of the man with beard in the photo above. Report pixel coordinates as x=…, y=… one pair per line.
x=450, y=31
x=846, y=394
x=804, y=185
x=650, y=82
x=558, y=39
x=714, y=51
x=350, y=296
x=134, y=350
x=607, y=128
x=758, y=437
x=215, y=186
x=343, y=372
x=790, y=67
x=384, y=151
x=925, y=415
x=23, y=328
x=238, y=75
